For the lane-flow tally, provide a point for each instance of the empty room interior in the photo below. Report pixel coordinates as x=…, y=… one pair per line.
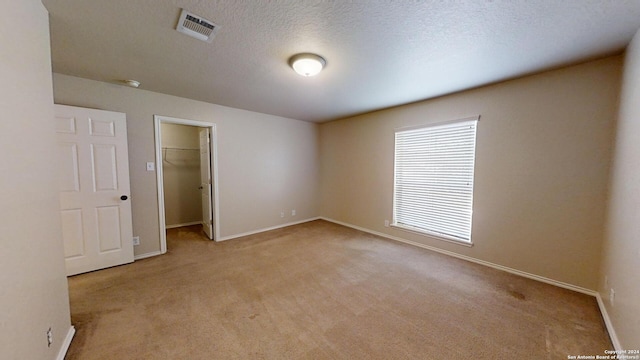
x=320, y=179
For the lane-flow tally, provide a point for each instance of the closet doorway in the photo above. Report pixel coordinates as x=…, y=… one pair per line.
x=186, y=175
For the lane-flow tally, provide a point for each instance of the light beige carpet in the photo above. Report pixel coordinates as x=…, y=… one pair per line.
x=322, y=291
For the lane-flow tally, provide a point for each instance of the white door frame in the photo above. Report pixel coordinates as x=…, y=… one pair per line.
x=157, y=121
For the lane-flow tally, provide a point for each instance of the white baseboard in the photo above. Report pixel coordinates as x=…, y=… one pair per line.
x=607, y=322
x=147, y=255
x=471, y=259
x=267, y=229
x=156, y=253
x=66, y=343
x=183, y=224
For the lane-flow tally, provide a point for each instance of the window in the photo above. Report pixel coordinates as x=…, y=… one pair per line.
x=433, y=185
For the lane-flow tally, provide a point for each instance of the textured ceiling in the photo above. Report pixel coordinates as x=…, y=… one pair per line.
x=379, y=53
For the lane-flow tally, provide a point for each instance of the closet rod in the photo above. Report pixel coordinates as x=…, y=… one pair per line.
x=177, y=148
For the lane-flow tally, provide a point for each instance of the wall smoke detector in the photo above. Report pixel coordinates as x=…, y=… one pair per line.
x=196, y=26
x=132, y=83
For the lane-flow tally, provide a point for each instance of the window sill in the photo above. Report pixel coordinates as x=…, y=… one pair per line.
x=434, y=235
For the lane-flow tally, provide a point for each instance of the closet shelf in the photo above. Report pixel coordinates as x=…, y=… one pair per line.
x=178, y=156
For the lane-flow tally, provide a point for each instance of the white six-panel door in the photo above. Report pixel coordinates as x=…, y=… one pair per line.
x=93, y=180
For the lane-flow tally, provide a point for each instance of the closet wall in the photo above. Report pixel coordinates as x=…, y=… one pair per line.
x=181, y=175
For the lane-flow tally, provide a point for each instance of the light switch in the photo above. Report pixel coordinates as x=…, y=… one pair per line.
x=151, y=166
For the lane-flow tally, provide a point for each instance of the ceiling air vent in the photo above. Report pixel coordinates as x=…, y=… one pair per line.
x=196, y=26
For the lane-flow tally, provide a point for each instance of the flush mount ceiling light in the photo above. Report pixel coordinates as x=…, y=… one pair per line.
x=307, y=64
x=132, y=83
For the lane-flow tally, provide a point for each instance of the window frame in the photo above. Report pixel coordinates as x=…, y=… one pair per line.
x=420, y=230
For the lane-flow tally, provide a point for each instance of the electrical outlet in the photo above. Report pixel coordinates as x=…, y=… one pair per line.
x=281, y=214
x=151, y=166
x=293, y=212
x=386, y=223
x=612, y=296
x=49, y=337
x=136, y=240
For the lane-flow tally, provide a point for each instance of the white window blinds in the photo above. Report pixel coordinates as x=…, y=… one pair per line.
x=433, y=190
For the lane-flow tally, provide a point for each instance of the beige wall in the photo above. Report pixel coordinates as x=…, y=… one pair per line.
x=33, y=285
x=622, y=236
x=181, y=174
x=542, y=162
x=543, y=148
x=266, y=164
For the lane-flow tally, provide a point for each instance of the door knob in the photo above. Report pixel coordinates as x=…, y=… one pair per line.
x=124, y=197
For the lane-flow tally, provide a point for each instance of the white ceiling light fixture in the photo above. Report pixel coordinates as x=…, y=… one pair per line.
x=307, y=64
